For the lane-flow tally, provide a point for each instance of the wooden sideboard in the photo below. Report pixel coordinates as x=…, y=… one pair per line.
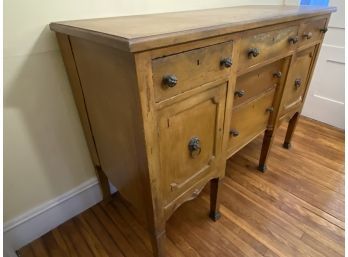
x=165, y=99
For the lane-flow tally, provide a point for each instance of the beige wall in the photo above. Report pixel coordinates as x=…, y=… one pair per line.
x=45, y=153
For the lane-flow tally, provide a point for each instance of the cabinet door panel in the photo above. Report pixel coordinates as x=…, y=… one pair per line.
x=190, y=134
x=298, y=80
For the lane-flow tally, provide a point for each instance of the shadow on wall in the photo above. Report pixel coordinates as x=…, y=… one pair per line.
x=43, y=135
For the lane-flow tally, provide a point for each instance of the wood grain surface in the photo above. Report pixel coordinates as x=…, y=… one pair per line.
x=140, y=32
x=296, y=208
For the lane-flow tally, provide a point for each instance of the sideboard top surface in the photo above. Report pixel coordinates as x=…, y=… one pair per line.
x=142, y=32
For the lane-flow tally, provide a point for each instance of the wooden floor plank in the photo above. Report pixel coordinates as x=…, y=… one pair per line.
x=180, y=242
x=279, y=240
x=128, y=232
x=26, y=251
x=118, y=238
x=317, y=244
x=122, y=208
x=316, y=194
x=191, y=236
x=172, y=250
x=39, y=248
x=102, y=234
x=54, y=250
x=258, y=180
x=329, y=235
x=93, y=242
x=256, y=205
x=197, y=219
x=289, y=204
x=133, y=223
x=296, y=208
x=247, y=245
x=64, y=242
x=75, y=239
x=305, y=168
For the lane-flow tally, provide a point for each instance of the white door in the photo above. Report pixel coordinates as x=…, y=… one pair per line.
x=325, y=99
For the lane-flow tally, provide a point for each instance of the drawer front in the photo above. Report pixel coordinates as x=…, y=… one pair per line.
x=297, y=81
x=254, y=83
x=249, y=120
x=178, y=73
x=312, y=30
x=190, y=134
x=256, y=48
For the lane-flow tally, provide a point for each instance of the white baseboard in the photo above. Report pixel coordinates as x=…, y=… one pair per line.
x=40, y=220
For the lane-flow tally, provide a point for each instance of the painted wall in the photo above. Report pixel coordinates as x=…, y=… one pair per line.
x=45, y=153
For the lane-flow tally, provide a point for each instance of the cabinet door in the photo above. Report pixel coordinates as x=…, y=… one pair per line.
x=190, y=134
x=297, y=82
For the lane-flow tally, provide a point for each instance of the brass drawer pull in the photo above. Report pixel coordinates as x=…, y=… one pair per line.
x=170, y=80
x=226, y=62
x=234, y=133
x=324, y=30
x=239, y=93
x=270, y=109
x=277, y=74
x=253, y=52
x=307, y=35
x=194, y=147
x=293, y=40
x=298, y=83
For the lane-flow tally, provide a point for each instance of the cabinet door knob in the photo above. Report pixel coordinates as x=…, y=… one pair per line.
x=270, y=109
x=293, y=40
x=239, y=93
x=277, y=74
x=308, y=35
x=170, y=80
x=226, y=62
x=253, y=52
x=324, y=30
x=234, y=133
x=194, y=147
x=298, y=83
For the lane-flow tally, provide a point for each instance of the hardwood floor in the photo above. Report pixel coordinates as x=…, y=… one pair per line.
x=296, y=208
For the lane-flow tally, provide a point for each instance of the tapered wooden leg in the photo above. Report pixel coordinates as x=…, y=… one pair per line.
x=290, y=130
x=158, y=241
x=104, y=184
x=266, y=148
x=214, y=199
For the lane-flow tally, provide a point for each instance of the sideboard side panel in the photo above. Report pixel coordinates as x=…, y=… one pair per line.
x=65, y=48
x=109, y=85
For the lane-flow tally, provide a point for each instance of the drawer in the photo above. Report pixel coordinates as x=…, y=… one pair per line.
x=178, y=73
x=258, y=47
x=312, y=30
x=297, y=81
x=249, y=120
x=190, y=135
x=254, y=83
